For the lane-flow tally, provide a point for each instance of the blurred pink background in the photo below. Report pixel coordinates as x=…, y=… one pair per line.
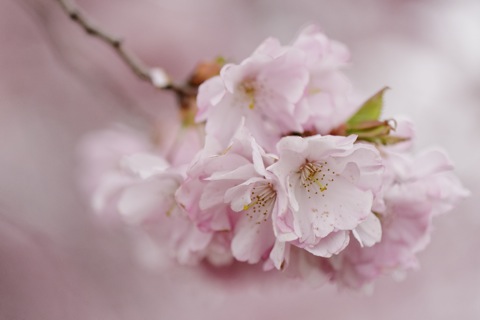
x=57, y=84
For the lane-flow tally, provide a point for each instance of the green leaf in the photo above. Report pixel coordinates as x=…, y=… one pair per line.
x=369, y=111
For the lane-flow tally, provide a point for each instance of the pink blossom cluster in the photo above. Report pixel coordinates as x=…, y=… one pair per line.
x=292, y=176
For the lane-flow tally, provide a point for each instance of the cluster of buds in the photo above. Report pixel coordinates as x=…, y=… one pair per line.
x=290, y=174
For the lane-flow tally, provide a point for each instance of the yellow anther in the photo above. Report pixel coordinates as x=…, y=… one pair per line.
x=321, y=186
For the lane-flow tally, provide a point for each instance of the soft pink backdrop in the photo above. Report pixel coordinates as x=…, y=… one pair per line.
x=57, y=84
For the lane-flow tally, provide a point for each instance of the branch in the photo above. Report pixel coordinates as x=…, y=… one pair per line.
x=153, y=76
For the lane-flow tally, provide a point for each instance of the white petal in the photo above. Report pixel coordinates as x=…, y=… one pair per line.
x=142, y=200
x=252, y=239
x=144, y=165
x=278, y=254
x=369, y=231
x=330, y=245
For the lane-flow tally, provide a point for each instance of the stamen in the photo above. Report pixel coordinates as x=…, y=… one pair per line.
x=311, y=173
x=249, y=87
x=263, y=199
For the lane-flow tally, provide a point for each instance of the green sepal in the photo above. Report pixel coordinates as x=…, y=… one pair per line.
x=380, y=130
x=388, y=140
x=369, y=111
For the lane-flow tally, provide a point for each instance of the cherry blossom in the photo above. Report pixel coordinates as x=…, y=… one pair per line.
x=330, y=183
x=232, y=192
x=280, y=170
x=421, y=188
x=263, y=89
x=327, y=100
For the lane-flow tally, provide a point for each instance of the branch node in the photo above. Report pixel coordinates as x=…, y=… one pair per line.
x=90, y=31
x=74, y=15
x=117, y=43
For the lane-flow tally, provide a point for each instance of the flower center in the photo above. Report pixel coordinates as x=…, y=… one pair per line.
x=315, y=177
x=263, y=198
x=248, y=87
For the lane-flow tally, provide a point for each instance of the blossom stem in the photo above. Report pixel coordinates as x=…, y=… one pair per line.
x=135, y=64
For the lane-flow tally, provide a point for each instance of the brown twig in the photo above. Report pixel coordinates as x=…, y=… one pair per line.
x=135, y=64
